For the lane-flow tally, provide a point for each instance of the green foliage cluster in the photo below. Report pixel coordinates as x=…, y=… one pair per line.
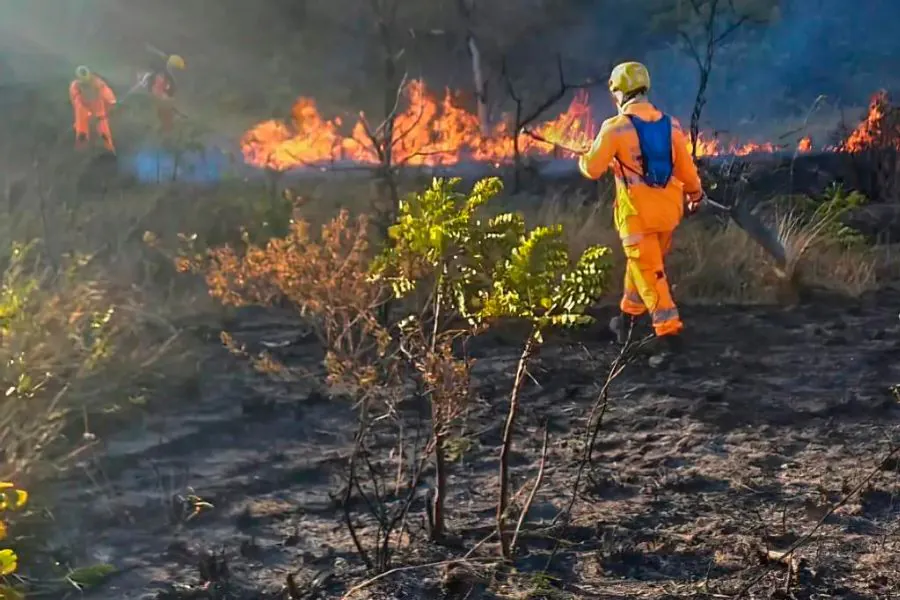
x=836, y=204
x=486, y=269
x=827, y=214
x=481, y=270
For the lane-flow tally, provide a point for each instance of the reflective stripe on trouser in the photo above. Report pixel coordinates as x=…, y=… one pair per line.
x=646, y=286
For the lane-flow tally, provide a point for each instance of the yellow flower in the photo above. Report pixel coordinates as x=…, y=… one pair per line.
x=5, y=503
x=9, y=562
x=3, y=530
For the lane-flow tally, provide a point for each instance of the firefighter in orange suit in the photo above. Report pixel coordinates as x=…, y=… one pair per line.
x=656, y=182
x=160, y=82
x=91, y=99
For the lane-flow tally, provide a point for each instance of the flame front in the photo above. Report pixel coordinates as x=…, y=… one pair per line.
x=432, y=132
x=879, y=129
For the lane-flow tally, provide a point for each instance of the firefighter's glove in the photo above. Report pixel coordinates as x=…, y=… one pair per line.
x=693, y=202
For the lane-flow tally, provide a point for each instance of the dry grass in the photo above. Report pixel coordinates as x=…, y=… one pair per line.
x=710, y=263
x=92, y=326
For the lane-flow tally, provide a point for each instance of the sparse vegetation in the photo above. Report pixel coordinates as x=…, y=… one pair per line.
x=469, y=270
x=59, y=334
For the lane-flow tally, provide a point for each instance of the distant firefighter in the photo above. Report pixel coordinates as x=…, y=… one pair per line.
x=91, y=99
x=160, y=82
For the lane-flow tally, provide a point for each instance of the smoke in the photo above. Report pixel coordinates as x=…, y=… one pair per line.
x=766, y=79
x=773, y=74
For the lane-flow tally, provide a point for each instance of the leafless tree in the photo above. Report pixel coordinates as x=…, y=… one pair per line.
x=522, y=119
x=708, y=26
x=467, y=11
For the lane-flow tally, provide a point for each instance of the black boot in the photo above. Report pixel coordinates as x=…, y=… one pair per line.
x=621, y=326
x=666, y=348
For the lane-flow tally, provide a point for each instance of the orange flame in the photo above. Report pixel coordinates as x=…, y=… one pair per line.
x=431, y=132
x=713, y=147
x=876, y=130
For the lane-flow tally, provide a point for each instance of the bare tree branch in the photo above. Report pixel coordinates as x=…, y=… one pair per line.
x=521, y=119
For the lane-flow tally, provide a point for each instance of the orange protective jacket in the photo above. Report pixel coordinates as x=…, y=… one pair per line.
x=640, y=208
x=93, y=97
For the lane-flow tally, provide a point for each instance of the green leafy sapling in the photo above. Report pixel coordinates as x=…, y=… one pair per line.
x=437, y=262
x=539, y=284
x=472, y=271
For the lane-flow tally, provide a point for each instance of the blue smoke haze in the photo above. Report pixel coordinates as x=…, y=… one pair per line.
x=843, y=50
x=156, y=165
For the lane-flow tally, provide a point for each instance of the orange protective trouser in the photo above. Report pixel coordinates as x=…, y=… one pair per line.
x=646, y=286
x=166, y=116
x=83, y=116
x=165, y=112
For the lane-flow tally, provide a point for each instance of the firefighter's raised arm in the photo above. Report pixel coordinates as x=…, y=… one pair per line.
x=595, y=162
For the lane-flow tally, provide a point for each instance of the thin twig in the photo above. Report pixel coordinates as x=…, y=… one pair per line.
x=443, y=563
x=537, y=484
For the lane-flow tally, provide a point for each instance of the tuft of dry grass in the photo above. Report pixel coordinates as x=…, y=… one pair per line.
x=585, y=222
x=91, y=324
x=714, y=264
x=818, y=255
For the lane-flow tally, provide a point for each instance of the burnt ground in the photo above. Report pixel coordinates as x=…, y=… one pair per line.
x=741, y=446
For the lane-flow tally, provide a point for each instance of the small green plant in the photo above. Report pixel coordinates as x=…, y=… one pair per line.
x=188, y=506
x=440, y=250
x=836, y=204
x=477, y=271
x=819, y=224
x=539, y=284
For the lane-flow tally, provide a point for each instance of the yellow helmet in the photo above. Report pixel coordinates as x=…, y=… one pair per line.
x=629, y=77
x=82, y=73
x=175, y=62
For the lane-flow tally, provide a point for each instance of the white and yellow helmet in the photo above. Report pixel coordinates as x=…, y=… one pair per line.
x=629, y=77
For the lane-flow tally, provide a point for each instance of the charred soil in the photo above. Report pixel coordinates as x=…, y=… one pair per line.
x=702, y=471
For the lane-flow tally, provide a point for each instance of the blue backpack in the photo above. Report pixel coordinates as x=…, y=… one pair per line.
x=655, y=139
